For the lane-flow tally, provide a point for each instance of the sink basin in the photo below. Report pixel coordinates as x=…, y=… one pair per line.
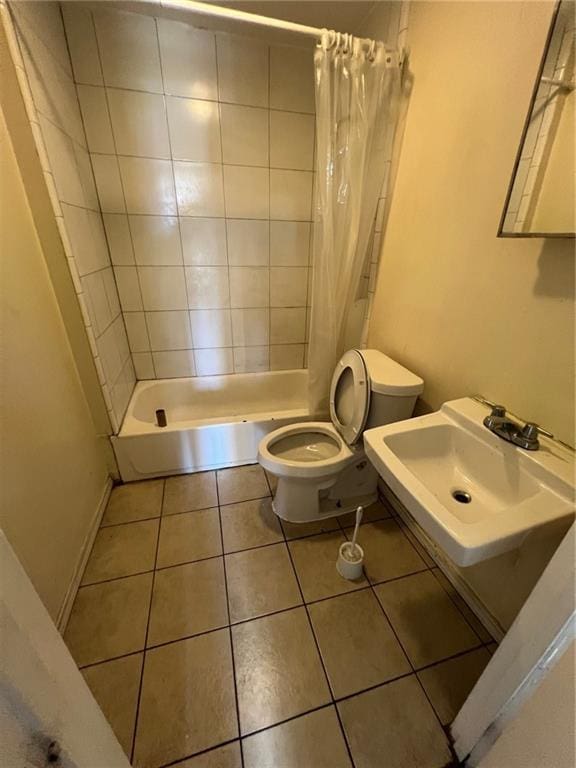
x=474, y=494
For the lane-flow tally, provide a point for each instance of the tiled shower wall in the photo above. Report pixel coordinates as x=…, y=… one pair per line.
x=202, y=147
x=45, y=76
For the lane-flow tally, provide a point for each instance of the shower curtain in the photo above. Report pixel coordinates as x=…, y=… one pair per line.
x=357, y=96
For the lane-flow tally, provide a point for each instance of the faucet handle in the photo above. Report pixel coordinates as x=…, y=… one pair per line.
x=498, y=410
x=530, y=431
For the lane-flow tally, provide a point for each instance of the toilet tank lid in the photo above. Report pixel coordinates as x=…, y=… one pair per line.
x=388, y=377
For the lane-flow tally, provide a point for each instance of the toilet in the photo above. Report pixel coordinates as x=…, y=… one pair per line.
x=321, y=467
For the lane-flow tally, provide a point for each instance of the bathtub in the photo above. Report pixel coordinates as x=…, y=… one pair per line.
x=212, y=421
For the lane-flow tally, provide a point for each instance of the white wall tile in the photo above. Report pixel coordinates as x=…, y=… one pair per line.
x=207, y=287
x=156, y=240
x=174, y=365
x=246, y=191
x=60, y=150
x=291, y=195
x=137, y=332
x=139, y=123
x=143, y=365
x=129, y=50
x=286, y=357
x=119, y=239
x=97, y=302
x=292, y=79
x=194, y=129
x=163, y=288
x=81, y=37
x=188, y=60
x=199, y=189
x=287, y=325
x=211, y=328
x=87, y=238
x=289, y=243
x=251, y=359
x=288, y=286
x=242, y=70
x=203, y=241
x=249, y=287
x=250, y=327
x=96, y=119
x=291, y=140
x=148, y=185
x=84, y=167
x=128, y=288
x=244, y=135
x=108, y=183
x=169, y=330
x=110, y=355
x=213, y=362
x=248, y=242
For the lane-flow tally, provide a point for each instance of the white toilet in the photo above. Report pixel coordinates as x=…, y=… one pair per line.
x=321, y=467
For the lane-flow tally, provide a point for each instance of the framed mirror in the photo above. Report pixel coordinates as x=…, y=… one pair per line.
x=541, y=197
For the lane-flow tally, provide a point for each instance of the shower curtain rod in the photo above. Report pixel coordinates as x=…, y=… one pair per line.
x=207, y=9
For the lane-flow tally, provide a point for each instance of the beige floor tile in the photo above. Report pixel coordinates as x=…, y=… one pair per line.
x=357, y=644
x=186, y=600
x=469, y=614
x=278, y=670
x=189, y=536
x=109, y=619
x=260, y=581
x=299, y=530
x=449, y=683
x=227, y=756
x=249, y=524
x=311, y=741
x=387, y=552
x=315, y=563
x=122, y=550
x=187, y=701
x=394, y=726
x=241, y=484
x=376, y=511
x=134, y=501
x=427, y=622
x=185, y=493
x=115, y=685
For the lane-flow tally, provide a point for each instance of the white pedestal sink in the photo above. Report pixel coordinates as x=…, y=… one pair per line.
x=476, y=495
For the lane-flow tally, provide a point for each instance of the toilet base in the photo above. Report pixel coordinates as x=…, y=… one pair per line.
x=303, y=500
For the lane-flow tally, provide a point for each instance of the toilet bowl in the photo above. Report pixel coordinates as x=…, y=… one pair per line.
x=321, y=467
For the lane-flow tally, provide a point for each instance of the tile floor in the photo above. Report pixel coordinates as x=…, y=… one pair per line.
x=215, y=637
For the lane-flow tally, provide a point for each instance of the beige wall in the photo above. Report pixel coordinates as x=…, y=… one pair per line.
x=467, y=311
x=52, y=465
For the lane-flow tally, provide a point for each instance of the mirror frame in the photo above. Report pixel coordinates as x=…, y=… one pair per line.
x=501, y=232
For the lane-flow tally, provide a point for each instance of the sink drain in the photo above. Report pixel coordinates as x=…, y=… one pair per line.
x=463, y=497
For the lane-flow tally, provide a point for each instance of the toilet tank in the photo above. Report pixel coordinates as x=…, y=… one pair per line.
x=394, y=389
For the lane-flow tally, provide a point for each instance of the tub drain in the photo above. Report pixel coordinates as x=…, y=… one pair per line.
x=462, y=497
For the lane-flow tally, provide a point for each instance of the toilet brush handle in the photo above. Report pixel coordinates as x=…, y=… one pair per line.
x=359, y=513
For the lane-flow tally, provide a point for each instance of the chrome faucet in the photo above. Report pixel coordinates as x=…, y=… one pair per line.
x=523, y=436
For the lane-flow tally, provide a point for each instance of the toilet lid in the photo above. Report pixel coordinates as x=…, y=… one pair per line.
x=350, y=396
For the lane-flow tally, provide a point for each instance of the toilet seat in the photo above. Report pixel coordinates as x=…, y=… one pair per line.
x=350, y=396
x=278, y=451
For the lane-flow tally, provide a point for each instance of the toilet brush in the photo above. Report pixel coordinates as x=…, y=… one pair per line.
x=351, y=555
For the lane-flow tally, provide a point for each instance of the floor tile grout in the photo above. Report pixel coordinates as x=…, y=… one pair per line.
x=230, y=638
x=139, y=699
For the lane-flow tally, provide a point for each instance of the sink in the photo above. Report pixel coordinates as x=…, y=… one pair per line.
x=474, y=494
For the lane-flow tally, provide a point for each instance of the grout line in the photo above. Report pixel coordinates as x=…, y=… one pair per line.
x=318, y=651
x=230, y=639
x=137, y=714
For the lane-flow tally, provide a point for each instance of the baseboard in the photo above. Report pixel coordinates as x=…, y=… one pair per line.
x=481, y=611
x=66, y=608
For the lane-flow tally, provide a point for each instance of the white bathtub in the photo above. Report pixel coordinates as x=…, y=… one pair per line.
x=212, y=421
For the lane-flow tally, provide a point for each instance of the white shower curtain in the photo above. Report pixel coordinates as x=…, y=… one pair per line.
x=357, y=97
